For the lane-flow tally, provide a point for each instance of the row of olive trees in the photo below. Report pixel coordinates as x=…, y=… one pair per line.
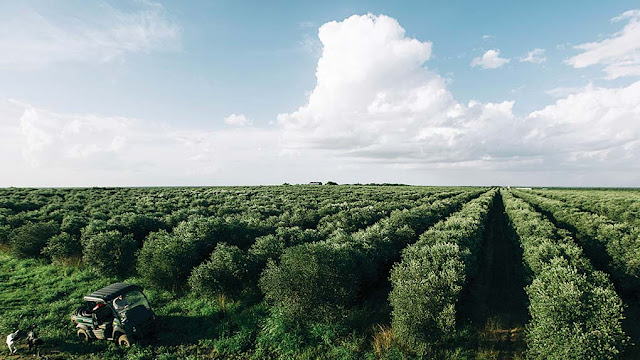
x=230, y=270
x=215, y=262
x=575, y=311
x=318, y=281
x=141, y=211
x=103, y=229
x=427, y=282
x=621, y=206
x=611, y=244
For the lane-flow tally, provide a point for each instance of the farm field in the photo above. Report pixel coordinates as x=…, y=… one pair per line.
x=330, y=272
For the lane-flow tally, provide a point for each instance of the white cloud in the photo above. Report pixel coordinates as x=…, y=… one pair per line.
x=40, y=147
x=564, y=91
x=51, y=138
x=377, y=104
x=620, y=52
x=490, y=60
x=487, y=37
x=376, y=114
x=30, y=39
x=595, y=125
x=535, y=56
x=238, y=120
x=374, y=99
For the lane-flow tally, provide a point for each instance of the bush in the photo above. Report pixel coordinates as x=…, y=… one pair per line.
x=271, y=246
x=226, y=273
x=63, y=246
x=73, y=224
x=424, y=311
x=29, y=239
x=313, y=280
x=267, y=247
x=166, y=260
x=573, y=315
x=136, y=224
x=5, y=231
x=110, y=253
x=575, y=311
x=427, y=283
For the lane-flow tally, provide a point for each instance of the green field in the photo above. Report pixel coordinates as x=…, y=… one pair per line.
x=331, y=272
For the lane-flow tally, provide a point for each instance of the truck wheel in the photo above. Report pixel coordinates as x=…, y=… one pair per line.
x=123, y=341
x=83, y=335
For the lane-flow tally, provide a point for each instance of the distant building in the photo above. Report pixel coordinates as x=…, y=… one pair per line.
x=315, y=183
x=523, y=188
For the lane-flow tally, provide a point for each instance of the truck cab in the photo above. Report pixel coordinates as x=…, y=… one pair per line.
x=119, y=312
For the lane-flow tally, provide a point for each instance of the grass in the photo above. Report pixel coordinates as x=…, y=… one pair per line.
x=35, y=292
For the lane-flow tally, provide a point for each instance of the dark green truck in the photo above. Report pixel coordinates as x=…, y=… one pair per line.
x=119, y=312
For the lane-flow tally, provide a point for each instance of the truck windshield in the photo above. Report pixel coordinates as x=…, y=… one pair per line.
x=130, y=300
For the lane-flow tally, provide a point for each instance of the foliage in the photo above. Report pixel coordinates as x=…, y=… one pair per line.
x=574, y=315
x=226, y=273
x=428, y=281
x=110, y=253
x=166, y=260
x=63, y=246
x=610, y=244
x=318, y=281
x=311, y=278
x=575, y=312
x=28, y=240
x=324, y=253
x=5, y=234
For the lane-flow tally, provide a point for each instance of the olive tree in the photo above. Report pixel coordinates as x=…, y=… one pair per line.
x=110, y=253
x=225, y=273
x=29, y=240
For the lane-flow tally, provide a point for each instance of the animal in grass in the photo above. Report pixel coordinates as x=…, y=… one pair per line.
x=12, y=339
x=34, y=341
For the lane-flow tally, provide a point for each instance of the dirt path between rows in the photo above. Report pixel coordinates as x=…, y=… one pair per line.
x=495, y=303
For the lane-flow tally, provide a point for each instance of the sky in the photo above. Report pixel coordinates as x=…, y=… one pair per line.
x=155, y=93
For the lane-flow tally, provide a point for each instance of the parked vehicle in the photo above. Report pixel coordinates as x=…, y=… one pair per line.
x=119, y=312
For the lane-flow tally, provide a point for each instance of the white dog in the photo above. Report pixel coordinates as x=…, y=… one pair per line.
x=11, y=339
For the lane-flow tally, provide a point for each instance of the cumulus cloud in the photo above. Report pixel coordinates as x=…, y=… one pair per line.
x=490, y=60
x=375, y=101
x=238, y=120
x=620, y=52
x=32, y=39
x=535, y=56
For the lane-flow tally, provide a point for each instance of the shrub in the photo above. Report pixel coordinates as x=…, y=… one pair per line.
x=73, y=224
x=226, y=273
x=29, y=239
x=575, y=312
x=313, y=280
x=267, y=247
x=573, y=315
x=424, y=311
x=63, y=246
x=166, y=260
x=110, y=253
x=426, y=284
x=136, y=224
x=5, y=231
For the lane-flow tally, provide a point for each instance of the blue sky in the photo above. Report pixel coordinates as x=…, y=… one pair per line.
x=137, y=93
